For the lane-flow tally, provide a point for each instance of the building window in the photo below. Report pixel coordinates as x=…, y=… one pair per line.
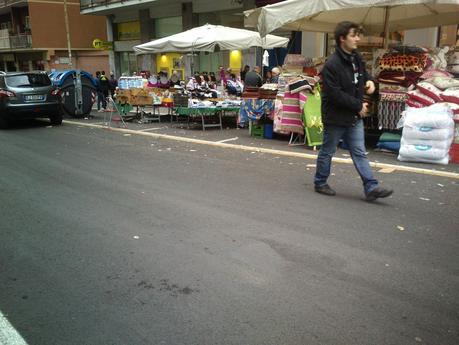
x=168, y=26
x=128, y=63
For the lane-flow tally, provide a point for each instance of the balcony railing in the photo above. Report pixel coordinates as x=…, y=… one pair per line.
x=5, y=3
x=84, y=4
x=20, y=41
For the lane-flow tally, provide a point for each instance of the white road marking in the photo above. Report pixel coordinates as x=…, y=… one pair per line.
x=226, y=140
x=9, y=335
x=377, y=165
x=150, y=129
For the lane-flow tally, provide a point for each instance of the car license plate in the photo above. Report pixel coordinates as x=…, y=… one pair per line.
x=34, y=97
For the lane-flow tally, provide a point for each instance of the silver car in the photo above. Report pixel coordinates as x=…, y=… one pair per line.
x=28, y=95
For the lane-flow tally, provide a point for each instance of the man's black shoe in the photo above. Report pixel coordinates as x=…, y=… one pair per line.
x=325, y=189
x=377, y=193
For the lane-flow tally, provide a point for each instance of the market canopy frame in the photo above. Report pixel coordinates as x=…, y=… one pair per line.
x=208, y=37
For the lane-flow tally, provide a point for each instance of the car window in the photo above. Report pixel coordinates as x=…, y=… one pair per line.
x=2, y=82
x=28, y=80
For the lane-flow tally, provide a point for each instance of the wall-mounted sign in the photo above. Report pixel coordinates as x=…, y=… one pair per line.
x=102, y=45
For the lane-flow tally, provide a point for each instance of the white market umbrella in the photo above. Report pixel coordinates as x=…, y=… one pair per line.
x=376, y=16
x=208, y=37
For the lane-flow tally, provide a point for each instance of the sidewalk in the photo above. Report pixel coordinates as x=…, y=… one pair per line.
x=240, y=136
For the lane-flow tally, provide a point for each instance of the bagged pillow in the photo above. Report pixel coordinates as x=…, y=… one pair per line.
x=443, y=82
x=435, y=73
x=417, y=134
x=429, y=90
x=423, y=154
x=420, y=97
x=438, y=115
x=451, y=95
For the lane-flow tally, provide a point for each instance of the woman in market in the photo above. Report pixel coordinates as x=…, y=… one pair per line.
x=268, y=78
x=275, y=72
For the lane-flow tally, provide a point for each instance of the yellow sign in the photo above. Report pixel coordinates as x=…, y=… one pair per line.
x=102, y=45
x=128, y=31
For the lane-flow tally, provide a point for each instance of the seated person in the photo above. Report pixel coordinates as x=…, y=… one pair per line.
x=234, y=86
x=275, y=75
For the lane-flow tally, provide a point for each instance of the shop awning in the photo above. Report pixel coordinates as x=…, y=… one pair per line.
x=377, y=16
x=208, y=37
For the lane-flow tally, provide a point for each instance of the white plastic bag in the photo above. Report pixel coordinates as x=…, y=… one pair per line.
x=427, y=133
x=437, y=115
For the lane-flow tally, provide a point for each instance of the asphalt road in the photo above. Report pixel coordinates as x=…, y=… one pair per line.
x=113, y=239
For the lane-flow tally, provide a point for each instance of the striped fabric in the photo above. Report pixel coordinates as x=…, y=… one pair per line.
x=291, y=113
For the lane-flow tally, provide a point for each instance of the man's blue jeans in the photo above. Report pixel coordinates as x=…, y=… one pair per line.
x=355, y=138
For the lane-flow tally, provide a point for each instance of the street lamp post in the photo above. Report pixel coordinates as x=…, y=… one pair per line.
x=67, y=30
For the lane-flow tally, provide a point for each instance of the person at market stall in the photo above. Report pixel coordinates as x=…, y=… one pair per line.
x=268, y=78
x=175, y=79
x=112, y=84
x=275, y=72
x=345, y=81
x=103, y=86
x=244, y=71
x=222, y=74
x=234, y=86
x=253, y=78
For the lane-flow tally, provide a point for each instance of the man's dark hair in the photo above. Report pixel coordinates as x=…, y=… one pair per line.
x=343, y=29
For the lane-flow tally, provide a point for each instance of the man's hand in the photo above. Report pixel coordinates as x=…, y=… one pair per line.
x=364, y=111
x=370, y=87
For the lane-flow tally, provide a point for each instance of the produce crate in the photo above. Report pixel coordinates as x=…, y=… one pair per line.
x=256, y=130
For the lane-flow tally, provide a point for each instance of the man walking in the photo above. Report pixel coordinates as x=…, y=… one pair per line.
x=345, y=80
x=104, y=87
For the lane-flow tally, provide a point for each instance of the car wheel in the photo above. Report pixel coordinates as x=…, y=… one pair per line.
x=56, y=120
x=4, y=123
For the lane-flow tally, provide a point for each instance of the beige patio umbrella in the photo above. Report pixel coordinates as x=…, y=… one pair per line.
x=376, y=16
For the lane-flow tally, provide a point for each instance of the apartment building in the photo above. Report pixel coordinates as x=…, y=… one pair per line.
x=33, y=36
x=133, y=22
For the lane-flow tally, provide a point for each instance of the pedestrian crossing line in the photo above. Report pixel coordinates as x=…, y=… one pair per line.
x=8, y=334
x=399, y=168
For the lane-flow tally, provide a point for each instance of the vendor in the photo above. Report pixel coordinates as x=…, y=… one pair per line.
x=275, y=72
x=253, y=78
x=268, y=78
x=175, y=79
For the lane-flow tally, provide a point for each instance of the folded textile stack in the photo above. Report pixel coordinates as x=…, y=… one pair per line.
x=389, y=142
x=399, y=72
x=439, y=88
x=268, y=91
x=294, y=63
x=289, y=109
x=250, y=92
x=453, y=63
x=427, y=134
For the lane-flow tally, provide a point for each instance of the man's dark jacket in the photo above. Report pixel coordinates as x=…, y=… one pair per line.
x=341, y=98
x=252, y=78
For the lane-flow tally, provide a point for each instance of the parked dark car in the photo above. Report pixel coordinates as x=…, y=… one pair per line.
x=28, y=95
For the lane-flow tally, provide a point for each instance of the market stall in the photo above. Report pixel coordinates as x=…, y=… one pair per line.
x=405, y=74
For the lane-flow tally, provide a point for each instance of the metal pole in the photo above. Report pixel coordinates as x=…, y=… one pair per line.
x=386, y=28
x=67, y=29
